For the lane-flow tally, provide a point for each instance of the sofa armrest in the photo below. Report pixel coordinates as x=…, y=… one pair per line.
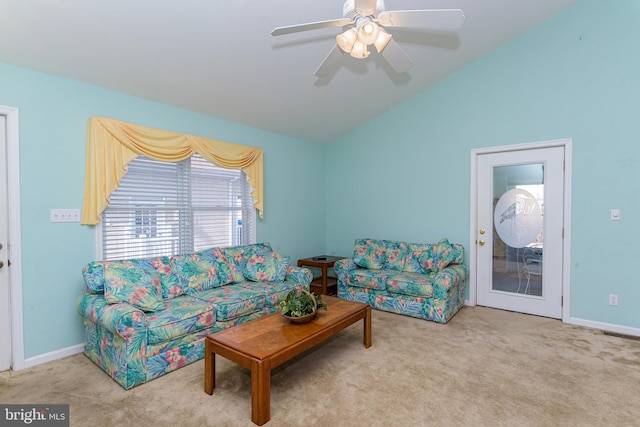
x=344, y=266
x=121, y=319
x=299, y=275
x=449, y=277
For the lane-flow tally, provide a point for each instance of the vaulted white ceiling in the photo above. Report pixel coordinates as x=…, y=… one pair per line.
x=217, y=57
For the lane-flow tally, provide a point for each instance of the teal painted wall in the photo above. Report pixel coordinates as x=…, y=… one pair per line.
x=575, y=76
x=405, y=175
x=53, y=120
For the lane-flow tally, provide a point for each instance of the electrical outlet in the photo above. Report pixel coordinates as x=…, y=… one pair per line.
x=613, y=299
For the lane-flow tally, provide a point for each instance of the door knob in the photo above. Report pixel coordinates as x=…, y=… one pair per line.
x=1, y=264
x=481, y=242
x=482, y=231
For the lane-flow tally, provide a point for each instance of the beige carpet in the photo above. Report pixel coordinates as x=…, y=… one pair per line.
x=485, y=368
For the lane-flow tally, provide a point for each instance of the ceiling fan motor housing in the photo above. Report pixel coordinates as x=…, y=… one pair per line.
x=349, y=9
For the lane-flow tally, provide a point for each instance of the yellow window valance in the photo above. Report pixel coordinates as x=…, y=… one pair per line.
x=112, y=144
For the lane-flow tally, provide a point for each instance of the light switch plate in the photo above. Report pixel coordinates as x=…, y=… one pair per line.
x=615, y=214
x=65, y=215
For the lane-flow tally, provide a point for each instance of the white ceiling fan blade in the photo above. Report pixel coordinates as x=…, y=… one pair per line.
x=396, y=57
x=330, y=62
x=365, y=7
x=437, y=19
x=311, y=26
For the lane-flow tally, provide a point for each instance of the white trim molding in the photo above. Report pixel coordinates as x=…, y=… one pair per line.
x=15, y=236
x=54, y=355
x=609, y=327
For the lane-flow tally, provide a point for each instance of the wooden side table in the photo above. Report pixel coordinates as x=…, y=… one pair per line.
x=322, y=285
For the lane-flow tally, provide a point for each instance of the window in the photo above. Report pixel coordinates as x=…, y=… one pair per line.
x=172, y=208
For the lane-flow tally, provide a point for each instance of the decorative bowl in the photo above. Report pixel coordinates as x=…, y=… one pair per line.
x=302, y=319
x=300, y=300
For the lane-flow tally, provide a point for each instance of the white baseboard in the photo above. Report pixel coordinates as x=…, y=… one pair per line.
x=54, y=355
x=610, y=327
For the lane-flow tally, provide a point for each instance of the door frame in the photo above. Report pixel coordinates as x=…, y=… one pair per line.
x=566, y=241
x=15, y=236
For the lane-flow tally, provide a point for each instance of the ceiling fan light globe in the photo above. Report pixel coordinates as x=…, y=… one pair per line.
x=347, y=39
x=359, y=50
x=382, y=40
x=368, y=32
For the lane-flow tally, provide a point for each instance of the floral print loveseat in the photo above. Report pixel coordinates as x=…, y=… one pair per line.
x=144, y=318
x=416, y=279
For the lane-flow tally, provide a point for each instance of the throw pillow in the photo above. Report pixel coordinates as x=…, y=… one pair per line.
x=443, y=255
x=268, y=267
x=93, y=274
x=458, y=250
x=124, y=282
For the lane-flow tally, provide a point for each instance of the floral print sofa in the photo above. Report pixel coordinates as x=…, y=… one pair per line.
x=416, y=279
x=144, y=318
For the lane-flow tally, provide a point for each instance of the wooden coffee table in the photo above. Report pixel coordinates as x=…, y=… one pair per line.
x=265, y=343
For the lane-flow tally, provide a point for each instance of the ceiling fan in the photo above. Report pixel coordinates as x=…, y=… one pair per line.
x=365, y=22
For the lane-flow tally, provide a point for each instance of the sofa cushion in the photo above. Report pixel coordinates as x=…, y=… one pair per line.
x=425, y=261
x=232, y=301
x=414, y=284
x=274, y=292
x=396, y=255
x=181, y=341
x=126, y=282
x=269, y=267
x=369, y=253
x=181, y=316
x=443, y=255
x=365, y=278
x=202, y=270
x=171, y=286
x=235, y=259
x=236, y=273
x=237, y=256
x=419, y=258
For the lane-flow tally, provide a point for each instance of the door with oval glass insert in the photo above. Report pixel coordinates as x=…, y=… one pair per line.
x=519, y=236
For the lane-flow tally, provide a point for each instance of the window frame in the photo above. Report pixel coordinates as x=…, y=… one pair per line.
x=252, y=230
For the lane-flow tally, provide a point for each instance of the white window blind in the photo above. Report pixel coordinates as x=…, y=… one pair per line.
x=173, y=208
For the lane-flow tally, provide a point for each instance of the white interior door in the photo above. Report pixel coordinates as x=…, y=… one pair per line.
x=520, y=230
x=5, y=314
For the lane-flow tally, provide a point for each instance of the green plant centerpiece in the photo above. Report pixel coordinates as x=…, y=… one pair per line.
x=301, y=306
